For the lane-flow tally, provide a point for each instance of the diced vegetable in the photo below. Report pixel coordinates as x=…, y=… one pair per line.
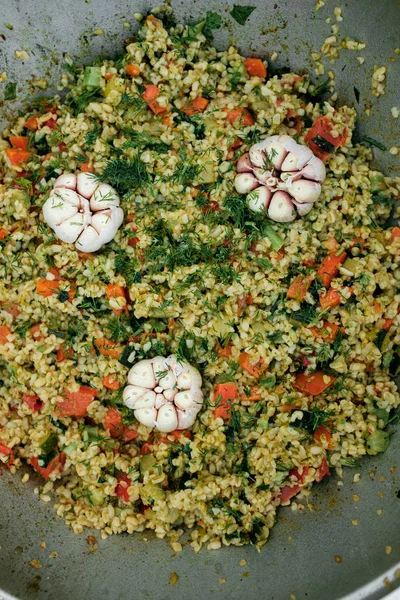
x=323, y=436
x=108, y=347
x=3, y=233
x=241, y=117
x=122, y=486
x=64, y=353
x=17, y=156
x=111, y=382
x=113, y=422
x=378, y=441
x=224, y=395
x=320, y=139
x=152, y=491
x=8, y=453
x=5, y=332
x=19, y=141
x=33, y=401
x=48, y=443
x=36, y=332
x=276, y=240
x=330, y=267
x=387, y=323
x=299, y=287
x=32, y=123
x=75, y=404
x=254, y=370
x=255, y=67
x=150, y=96
x=377, y=182
x=127, y=356
x=114, y=86
x=322, y=470
x=91, y=78
x=57, y=463
x=327, y=332
x=331, y=299
x=48, y=287
x=382, y=414
x=198, y=105
x=313, y=384
x=132, y=70
x=395, y=234
x=147, y=461
x=288, y=492
x=114, y=291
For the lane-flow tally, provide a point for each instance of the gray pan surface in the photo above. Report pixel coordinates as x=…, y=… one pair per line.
x=346, y=543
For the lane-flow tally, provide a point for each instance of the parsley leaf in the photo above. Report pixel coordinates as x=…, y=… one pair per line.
x=241, y=13
x=212, y=21
x=10, y=91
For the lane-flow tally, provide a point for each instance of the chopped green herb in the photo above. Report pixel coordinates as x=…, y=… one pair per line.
x=356, y=94
x=369, y=141
x=324, y=144
x=241, y=13
x=10, y=91
x=63, y=296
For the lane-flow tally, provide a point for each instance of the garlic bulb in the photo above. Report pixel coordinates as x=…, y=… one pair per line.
x=280, y=177
x=164, y=393
x=83, y=212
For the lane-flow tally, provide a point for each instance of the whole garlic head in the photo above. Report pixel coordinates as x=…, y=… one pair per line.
x=164, y=393
x=280, y=177
x=83, y=212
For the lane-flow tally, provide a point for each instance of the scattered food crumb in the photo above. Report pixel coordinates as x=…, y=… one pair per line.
x=360, y=60
x=387, y=583
x=221, y=580
x=25, y=477
x=382, y=478
x=53, y=555
x=355, y=521
x=379, y=511
x=357, y=477
x=356, y=497
x=395, y=112
x=98, y=32
x=372, y=474
x=319, y=5
x=130, y=550
x=91, y=540
x=393, y=469
x=378, y=81
x=43, y=544
x=3, y=76
x=245, y=575
x=274, y=56
x=173, y=578
x=338, y=558
x=380, y=494
x=394, y=150
x=242, y=563
x=21, y=54
x=36, y=564
x=388, y=549
x=290, y=539
x=397, y=573
x=292, y=597
x=396, y=50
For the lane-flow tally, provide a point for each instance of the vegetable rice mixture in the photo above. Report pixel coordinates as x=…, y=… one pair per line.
x=293, y=326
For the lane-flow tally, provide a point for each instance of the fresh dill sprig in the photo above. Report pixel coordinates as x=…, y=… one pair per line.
x=79, y=102
x=125, y=175
x=126, y=266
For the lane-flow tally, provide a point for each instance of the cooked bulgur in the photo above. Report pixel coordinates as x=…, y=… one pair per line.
x=205, y=279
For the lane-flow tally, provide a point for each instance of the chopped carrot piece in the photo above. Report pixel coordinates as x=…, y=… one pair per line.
x=64, y=353
x=395, y=233
x=198, y=105
x=17, y=156
x=225, y=351
x=132, y=70
x=146, y=448
x=13, y=310
x=331, y=299
x=108, y=347
x=35, y=332
x=111, y=382
x=32, y=123
x=57, y=463
x=47, y=287
x=243, y=302
x=377, y=308
x=322, y=128
x=150, y=95
x=330, y=267
x=254, y=395
x=241, y=117
x=19, y=141
x=225, y=394
x=387, y=323
x=327, y=332
x=3, y=233
x=33, y=401
x=5, y=332
x=313, y=384
x=87, y=167
x=299, y=287
x=289, y=407
x=129, y=435
x=254, y=370
x=323, y=436
x=255, y=67
x=108, y=76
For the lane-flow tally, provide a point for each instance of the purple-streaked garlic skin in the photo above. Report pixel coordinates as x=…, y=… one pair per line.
x=290, y=172
x=82, y=211
x=244, y=164
x=245, y=182
x=164, y=393
x=259, y=199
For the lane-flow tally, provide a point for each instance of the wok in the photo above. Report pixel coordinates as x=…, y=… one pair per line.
x=302, y=555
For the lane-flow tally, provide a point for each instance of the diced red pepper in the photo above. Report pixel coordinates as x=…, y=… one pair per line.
x=313, y=384
x=323, y=470
x=322, y=128
x=323, y=436
x=113, y=422
x=299, y=288
x=288, y=492
x=6, y=451
x=57, y=463
x=75, y=404
x=122, y=486
x=224, y=394
x=33, y=401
